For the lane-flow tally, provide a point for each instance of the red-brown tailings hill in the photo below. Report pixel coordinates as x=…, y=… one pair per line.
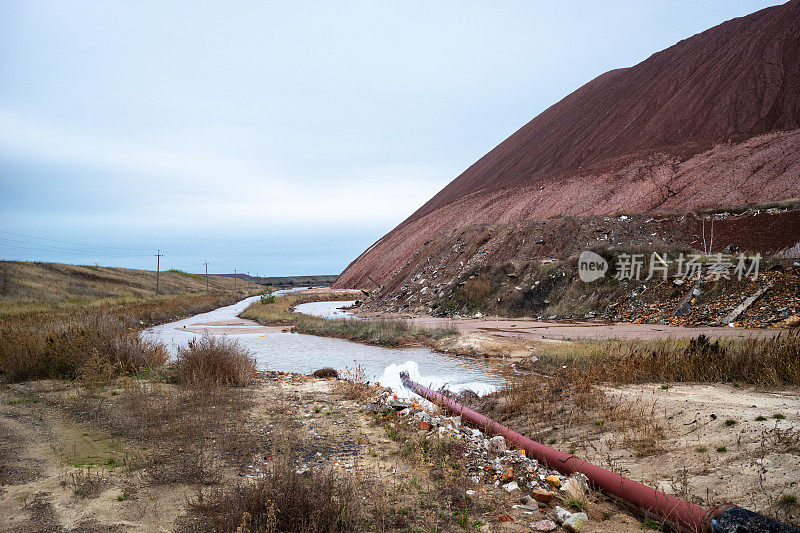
x=711, y=121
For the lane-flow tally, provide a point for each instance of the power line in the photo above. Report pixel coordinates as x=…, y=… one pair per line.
x=72, y=242
x=43, y=248
x=64, y=248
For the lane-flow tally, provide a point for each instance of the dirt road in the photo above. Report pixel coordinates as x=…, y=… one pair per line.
x=563, y=331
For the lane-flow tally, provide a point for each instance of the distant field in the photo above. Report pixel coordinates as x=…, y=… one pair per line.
x=40, y=287
x=282, y=282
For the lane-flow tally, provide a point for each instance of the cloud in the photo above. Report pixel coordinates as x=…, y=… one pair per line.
x=151, y=185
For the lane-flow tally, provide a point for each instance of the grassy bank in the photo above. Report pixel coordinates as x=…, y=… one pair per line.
x=765, y=362
x=280, y=311
x=376, y=332
x=30, y=288
x=96, y=338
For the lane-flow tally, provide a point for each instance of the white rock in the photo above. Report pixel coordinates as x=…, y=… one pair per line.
x=511, y=486
x=561, y=514
x=575, y=522
x=544, y=525
x=497, y=444
x=526, y=508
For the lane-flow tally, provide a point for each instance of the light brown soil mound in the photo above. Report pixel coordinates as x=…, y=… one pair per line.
x=712, y=121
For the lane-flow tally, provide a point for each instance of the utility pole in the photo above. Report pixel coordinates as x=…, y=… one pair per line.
x=158, y=267
x=234, y=280
x=206, y=264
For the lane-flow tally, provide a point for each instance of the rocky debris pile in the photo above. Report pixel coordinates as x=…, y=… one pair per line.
x=492, y=466
x=263, y=376
x=707, y=305
x=780, y=305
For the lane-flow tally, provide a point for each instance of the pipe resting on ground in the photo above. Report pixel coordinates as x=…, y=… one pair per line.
x=683, y=515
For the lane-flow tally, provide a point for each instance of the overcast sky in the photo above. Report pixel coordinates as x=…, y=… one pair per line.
x=278, y=138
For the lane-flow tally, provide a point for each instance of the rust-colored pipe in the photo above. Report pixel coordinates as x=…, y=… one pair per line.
x=682, y=514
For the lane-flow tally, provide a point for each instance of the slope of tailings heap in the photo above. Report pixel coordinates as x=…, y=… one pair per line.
x=711, y=121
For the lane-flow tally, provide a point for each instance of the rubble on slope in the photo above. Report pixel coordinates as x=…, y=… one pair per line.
x=492, y=467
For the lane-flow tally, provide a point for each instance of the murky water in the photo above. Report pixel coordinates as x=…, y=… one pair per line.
x=292, y=352
x=326, y=309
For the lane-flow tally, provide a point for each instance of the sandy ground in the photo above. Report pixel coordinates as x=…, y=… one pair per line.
x=236, y=326
x=40, y=446
x=530, y=329
x=516, y=338
x=760, y=460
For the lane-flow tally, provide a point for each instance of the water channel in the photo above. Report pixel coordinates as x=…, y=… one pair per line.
x=293, y=352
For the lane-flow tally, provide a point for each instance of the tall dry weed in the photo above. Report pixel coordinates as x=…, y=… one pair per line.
x=217, y=361
x=60, y=349
x=769, y=362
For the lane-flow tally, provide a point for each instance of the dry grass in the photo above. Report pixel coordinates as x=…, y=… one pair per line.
x=214, y=361
x=59, y=344
x=190, y=433
x=28, y=288
x=352, y=384
x=61, y=349
x=376, y=332
x=443, y=503
x=767, y=362
x=571, y=408
x=283, y=500
x=280, y=311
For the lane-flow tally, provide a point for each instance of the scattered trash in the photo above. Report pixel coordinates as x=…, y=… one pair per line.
x=489, y=462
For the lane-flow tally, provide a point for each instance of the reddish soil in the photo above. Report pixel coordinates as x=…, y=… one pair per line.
x=712, y=121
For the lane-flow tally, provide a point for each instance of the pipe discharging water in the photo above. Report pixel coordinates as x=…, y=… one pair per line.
x=725, y=518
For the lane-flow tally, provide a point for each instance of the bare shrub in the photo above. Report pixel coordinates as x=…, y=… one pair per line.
x=85, y=483
x=474, y=294
x=326, y=372
x=283, y=500
x=216, y=361
x=96, y=371
x=477, y=291
x=353, y=384
x=782, y=440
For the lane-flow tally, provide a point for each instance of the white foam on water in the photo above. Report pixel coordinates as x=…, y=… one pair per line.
x=391, y=378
